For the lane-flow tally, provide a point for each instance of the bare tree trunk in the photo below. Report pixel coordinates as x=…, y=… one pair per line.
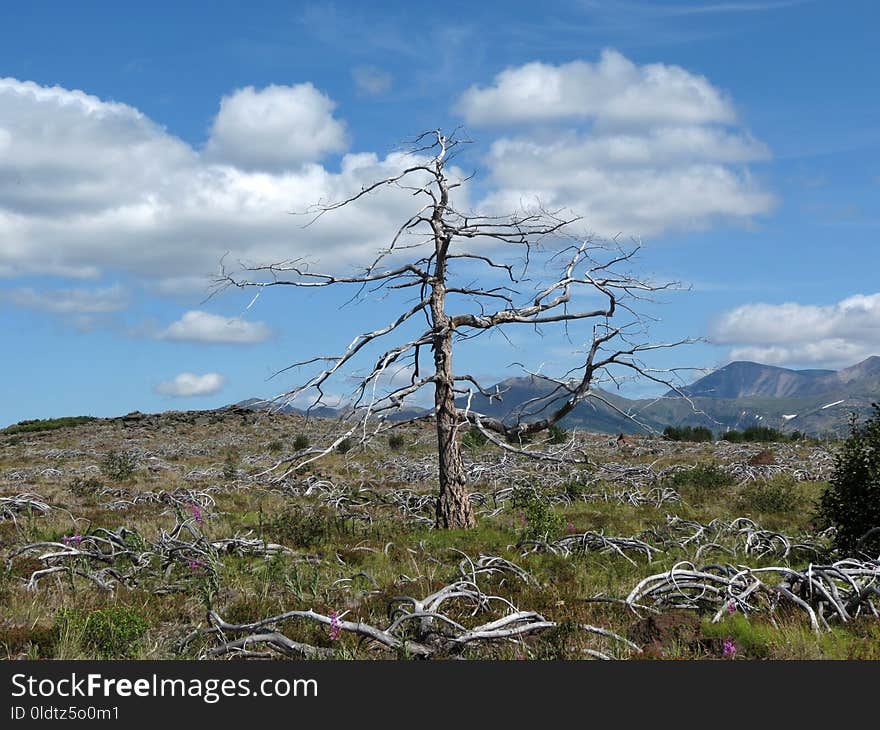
x=453, y=505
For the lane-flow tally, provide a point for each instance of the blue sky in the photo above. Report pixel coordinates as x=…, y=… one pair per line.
x=740, y=140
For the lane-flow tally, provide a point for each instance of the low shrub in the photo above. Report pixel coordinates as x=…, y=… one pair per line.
x=557, y=435
x=84, y=486
x=119, y=465
x=575, y=490
x=110, y=633
x=298, y=526
x=539, y=521
x=687, y=433
x=230, y=465
x=701, y=479
x=396, y=442
x=773, y=496
x=301, y=442
x=474, y=438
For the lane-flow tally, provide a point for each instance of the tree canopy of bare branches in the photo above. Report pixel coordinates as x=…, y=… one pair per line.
x=469, y=274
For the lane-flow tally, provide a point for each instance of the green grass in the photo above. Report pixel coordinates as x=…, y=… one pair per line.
x=358, y=559
x=47, y=424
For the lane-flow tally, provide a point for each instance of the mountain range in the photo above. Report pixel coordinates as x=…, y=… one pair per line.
x=736, y=396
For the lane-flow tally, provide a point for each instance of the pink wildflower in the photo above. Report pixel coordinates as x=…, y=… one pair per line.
x=335, y=629
x=196, y=512
x=72, y=539
x=729, y=650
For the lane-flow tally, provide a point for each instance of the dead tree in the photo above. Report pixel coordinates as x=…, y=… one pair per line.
x=438, y=253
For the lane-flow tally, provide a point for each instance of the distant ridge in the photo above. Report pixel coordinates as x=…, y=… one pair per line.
x=735, y=396
x=748, y=379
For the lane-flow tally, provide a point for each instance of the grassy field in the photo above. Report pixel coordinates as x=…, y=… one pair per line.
x=161, y=537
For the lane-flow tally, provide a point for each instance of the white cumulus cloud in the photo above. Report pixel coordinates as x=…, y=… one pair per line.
x=199, y=326
x=634, y=149
x=613, y=91
x=830, y=335
x=186, y=385
x=89, y=186
x=275, y=128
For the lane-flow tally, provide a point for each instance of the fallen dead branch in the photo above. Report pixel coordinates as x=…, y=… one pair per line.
x=419, y=627
x=842, y=590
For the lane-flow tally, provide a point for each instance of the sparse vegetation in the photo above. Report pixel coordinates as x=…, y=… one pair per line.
x=141, y=561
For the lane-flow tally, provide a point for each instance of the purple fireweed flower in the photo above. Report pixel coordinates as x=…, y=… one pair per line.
x=731, y=608
x=196, y=512
x=196, y=564
x=72, y=539
x=729, y=650
x=335, y=629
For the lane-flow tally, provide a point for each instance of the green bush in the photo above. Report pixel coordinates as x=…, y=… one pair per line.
x=119, y=465
x=687, y=433
x=851, y=504
x=300, y=526
x=110, y=633
x=575, y=489
x=539, y=521
x=301, y=442
x=276, y=447
x=396, y=442
x=344, y=446
x=474, y=438
x=557, y=435
x=84, y=486
x=230, y=465
x=772, y=496
x=702, y=479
